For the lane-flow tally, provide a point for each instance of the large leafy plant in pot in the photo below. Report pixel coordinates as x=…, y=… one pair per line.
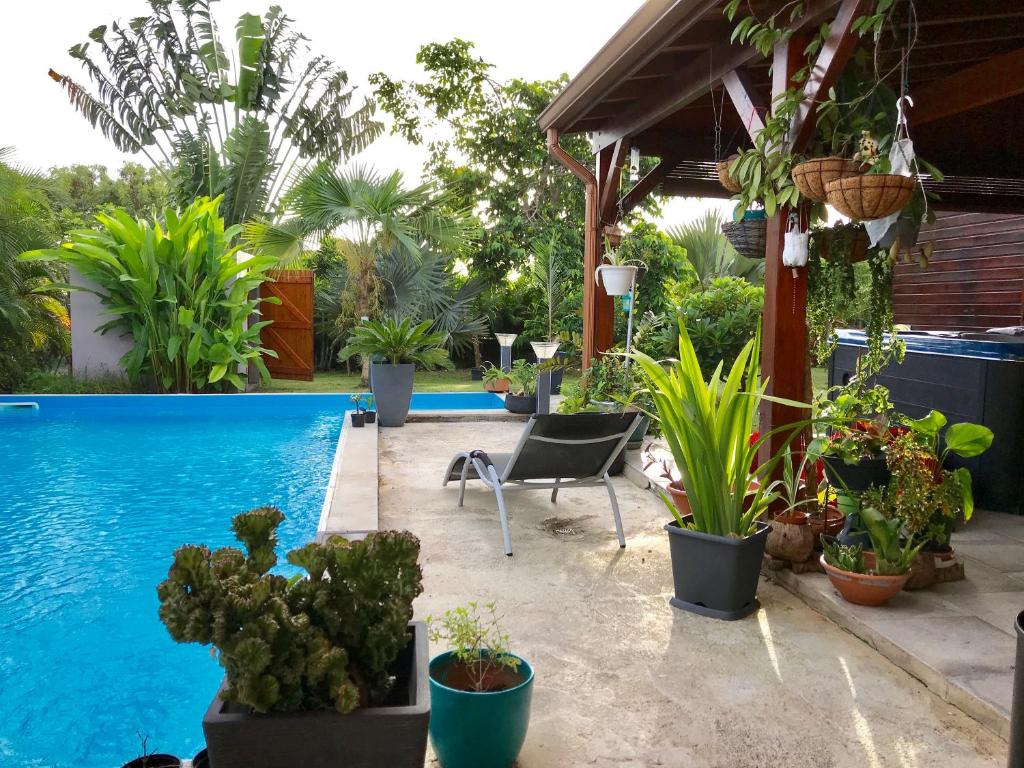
x=402, y=346
x=320, y=667
x=708, y=424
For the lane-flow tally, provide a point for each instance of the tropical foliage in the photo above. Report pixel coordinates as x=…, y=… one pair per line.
x=31, y=323
x=398, y=341
x=179, y=288
x=708, y=425
x=709, y=253
x=399, y=253
x=236, y=124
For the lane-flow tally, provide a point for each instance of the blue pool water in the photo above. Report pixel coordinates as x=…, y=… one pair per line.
x=95, y=495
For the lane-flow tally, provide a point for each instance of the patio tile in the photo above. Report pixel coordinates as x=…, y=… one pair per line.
x=997, y=608
x=1000, y=524
x=1003, y=554
x=980, y=578
x=992, y=690
x=954, y=646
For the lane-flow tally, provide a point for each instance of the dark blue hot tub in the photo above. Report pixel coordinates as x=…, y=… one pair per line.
x=969, y=376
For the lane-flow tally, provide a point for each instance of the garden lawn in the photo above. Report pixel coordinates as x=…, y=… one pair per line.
x=425, y=381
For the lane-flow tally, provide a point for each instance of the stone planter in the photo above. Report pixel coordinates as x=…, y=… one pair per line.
x=790, y=538
x=716, y=576
x=392, y=392
x=393, y=736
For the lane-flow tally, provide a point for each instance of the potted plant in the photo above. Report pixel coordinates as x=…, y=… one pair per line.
x=358, y=416
x=479, y=691
x=674, y=486
x=871, y=578
x=522, y=388
x=749, y=234
x=791, y=537
x=617, y=273
x=922, y=492
x=608, y=385
x=321, y=668
x=369, y=413
x=858, y=423
x=403, y=346
x=149, y=759
x=495, y=379
x=717, y=550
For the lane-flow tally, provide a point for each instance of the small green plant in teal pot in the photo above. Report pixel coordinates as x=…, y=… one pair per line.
x=479, y=691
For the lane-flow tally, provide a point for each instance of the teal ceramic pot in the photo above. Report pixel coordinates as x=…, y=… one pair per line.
x=478, y=730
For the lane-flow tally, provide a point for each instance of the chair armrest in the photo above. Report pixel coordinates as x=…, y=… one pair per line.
x=482, y=456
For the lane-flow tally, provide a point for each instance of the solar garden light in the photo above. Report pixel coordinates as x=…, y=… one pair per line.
x=544, y=350
x=505, y=342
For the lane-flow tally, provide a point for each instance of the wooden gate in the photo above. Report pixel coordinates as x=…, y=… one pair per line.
x=291, y=334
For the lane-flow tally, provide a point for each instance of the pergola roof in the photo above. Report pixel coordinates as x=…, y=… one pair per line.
x=658, y=82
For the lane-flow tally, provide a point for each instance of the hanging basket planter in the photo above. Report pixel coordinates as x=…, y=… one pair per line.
x=811, y=176
x=748, y=236
x=854, y=250
x=872, y=196
x=725, y=178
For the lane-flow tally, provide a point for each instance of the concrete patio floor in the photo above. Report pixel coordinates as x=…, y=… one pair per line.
x=625, y=680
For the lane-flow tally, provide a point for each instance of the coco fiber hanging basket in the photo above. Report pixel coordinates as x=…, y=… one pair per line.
x=724, y=177
x=748, y=236
x=872, y=196
x=811, y=177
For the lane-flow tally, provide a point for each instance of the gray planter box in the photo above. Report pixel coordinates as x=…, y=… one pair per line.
x=392, y=736
x=392, y=391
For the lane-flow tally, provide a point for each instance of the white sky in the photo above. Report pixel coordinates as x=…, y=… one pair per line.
x=532, y=39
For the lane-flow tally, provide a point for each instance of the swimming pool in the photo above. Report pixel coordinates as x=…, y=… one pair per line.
x=96, y=492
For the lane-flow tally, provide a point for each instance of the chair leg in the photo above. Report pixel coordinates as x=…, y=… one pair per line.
x=502, y=512
x=615, y=511
x=462, y=480
x=554, y=491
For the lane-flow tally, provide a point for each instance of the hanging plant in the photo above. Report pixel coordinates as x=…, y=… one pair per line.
x=831, y=294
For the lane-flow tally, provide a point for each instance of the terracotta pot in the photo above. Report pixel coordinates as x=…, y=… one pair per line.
x=497, y=385
x=864, y=588
x=675, y=490
x=872, y=196
x=724, y=177
x=811, y=176
x=830, y=524
x=790, y=538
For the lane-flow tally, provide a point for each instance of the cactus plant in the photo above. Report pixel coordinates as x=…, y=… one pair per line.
x=319, y=641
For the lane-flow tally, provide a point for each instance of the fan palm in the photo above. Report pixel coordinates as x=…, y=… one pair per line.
x=236, y=124
x=710, y=254
x=390, y=228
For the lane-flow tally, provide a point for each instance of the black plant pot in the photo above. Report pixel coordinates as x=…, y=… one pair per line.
x=716, y=576
x=358, y=419
x=476, y=374
x=371, y=416
x=858, y=477
x=521, y=403
x=853, y=533
x=392, y=392
x=393, y=736
x=636, y=440
x=1017, y=705
x=156, y=760
x=201, y=760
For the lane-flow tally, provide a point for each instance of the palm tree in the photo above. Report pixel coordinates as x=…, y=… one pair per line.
x=710, y=254
x=232, y=123
x=28, y=320
x=386, y=228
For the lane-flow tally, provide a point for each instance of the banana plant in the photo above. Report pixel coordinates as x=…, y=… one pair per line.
x=179, y=287
x=234, y=124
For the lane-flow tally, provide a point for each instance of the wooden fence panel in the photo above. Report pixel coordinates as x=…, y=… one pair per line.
x=975, y=279
x=291, y=334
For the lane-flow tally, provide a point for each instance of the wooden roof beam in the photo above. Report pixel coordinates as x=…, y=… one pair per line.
x=648, y=183
x=997, y=79
x=610, y=183
x=744, y=97
x=832, y=58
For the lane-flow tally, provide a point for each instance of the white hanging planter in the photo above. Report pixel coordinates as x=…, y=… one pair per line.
x=618, y=280
x=794, y=253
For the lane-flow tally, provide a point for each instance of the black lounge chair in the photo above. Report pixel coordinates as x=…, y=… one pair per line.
x=555, y=451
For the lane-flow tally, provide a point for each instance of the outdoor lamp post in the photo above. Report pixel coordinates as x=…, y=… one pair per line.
x=544, y=350
x=505, y=342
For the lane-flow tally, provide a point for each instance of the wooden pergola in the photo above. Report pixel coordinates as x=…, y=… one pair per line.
x=657, y=85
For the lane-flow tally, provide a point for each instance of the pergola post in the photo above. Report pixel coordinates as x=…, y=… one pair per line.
x=784, y=353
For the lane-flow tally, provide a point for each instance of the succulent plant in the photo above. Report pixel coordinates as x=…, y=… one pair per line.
x=323, y=640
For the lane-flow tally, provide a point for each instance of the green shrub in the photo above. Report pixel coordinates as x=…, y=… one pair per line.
x=720, y=318
x=180, y=291
x=319, y=642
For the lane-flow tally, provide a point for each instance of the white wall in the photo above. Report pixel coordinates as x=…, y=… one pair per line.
x=93, y=354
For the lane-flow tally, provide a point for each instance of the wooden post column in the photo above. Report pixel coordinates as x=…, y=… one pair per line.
x=784, y=352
